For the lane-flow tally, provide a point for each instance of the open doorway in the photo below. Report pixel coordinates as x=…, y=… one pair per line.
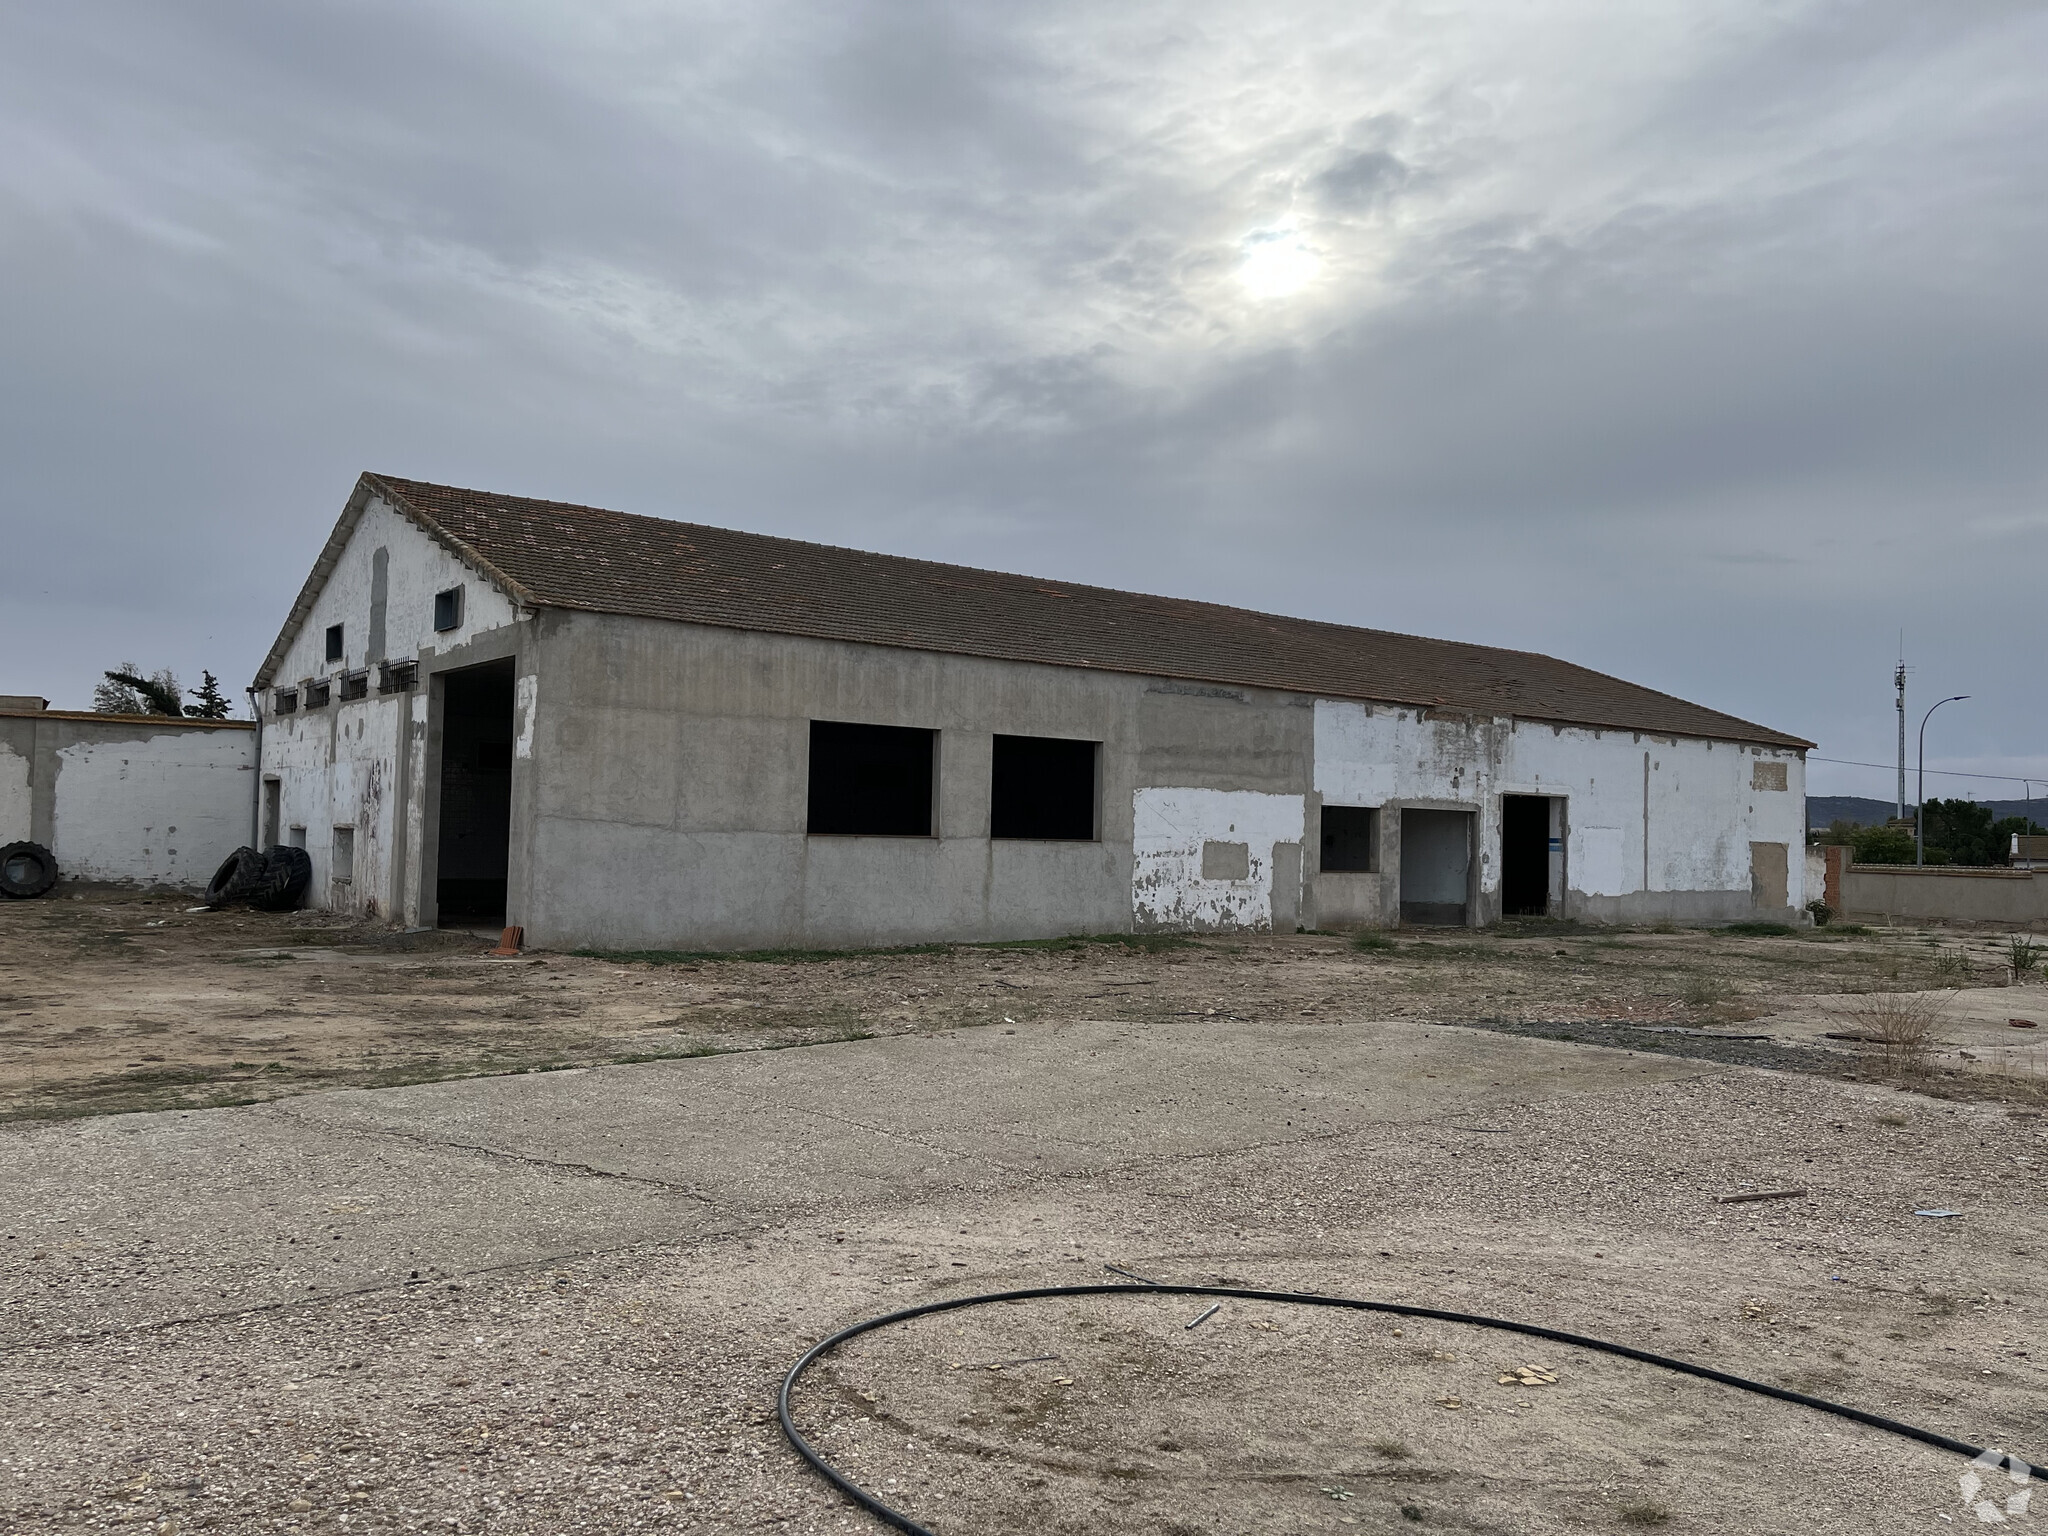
x=1436, y=865
x=1525, y=855
x=475, y=842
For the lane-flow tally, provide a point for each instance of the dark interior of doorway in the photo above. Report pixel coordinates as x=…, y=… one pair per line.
x=1524, y=855
x=1436, y=866
x=476, y=796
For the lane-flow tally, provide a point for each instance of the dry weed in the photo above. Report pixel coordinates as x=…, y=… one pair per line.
x=1901, y=1024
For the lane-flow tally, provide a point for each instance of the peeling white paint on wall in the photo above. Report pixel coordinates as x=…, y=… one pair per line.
x=17, y=816
x=166, y=807
x=340, y=766
x=1169, y=829
x=522, y=715
x=1698, y=802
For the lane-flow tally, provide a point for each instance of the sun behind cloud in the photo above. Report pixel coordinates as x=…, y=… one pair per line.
x=1277, y=263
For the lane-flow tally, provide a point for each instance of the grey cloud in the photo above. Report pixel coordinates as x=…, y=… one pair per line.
x=1362, y=181
x=1717, y=395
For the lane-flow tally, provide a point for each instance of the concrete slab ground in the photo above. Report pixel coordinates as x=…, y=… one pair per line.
x=562, y=1301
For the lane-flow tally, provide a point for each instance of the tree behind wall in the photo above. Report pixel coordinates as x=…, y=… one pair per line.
x=1962, y=832
x=125, y=691
x=210, y=703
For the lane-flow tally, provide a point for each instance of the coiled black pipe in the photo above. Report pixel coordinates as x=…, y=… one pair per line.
x=904, y=1523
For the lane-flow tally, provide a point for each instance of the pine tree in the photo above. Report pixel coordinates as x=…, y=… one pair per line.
x=212, y=703
x=128, y=692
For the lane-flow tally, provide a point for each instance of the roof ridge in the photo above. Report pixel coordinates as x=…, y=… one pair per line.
x=573, y=555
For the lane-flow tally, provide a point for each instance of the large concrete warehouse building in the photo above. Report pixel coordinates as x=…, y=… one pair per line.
x=634, y=733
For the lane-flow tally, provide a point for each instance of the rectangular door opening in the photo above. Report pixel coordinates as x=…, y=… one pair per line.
x=1525, y=855
x=1436, y=866
x=475, y=844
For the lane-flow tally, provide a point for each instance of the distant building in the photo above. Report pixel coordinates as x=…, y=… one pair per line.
x=633, y=733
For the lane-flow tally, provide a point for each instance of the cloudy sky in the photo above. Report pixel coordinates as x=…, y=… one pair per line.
x=1703, y=344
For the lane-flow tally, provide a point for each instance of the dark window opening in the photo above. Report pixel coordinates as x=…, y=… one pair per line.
x=317, y=695
x=871, y=780
x=1348, y=842
x=1436, y=863
x=397, y=676
x=448, y=609
x=334, y=642
x=1524, y=855
x=1043, y=787
x=286, y=701
x=355, y=685
x=475, y=840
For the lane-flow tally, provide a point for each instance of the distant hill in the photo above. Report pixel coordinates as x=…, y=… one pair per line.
x=1826, y=810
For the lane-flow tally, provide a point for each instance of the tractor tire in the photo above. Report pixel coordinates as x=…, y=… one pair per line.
x=235, y=878
x=26, y=869
x=282, y=886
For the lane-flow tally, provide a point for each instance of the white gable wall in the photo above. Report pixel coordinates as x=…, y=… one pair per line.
x=359, y=764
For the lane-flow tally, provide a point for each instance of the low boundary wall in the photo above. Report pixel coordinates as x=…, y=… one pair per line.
x=140, y=799
x=2017, y=898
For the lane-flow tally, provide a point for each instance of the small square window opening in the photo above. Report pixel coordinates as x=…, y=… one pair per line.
x=1043, y=787
x=448, y=610
x=334, y=642
x=1348, y=843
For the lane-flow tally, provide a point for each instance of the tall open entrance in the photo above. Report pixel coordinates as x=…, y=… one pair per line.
x=1525, y=855
x=475, y=843
x=1436, y=866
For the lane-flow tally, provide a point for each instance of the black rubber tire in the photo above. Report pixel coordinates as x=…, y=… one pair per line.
x=235, y=878
x=26, y=869
x=282, y=886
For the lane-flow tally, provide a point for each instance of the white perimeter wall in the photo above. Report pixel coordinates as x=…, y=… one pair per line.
x=125, y=799
x=1684, y=825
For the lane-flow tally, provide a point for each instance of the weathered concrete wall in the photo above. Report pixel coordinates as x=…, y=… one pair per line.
x=136, y=799
x=1906, y=893
x=362, y=764
x=1654, y=827
x=669, y=762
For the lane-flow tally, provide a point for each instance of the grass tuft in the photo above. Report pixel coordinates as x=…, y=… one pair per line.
x=1762, y=930
x=1372, y=940
x=1645, y=1512
x=1143, y=943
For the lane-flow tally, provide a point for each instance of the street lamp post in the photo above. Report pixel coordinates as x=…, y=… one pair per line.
x=1920, y=811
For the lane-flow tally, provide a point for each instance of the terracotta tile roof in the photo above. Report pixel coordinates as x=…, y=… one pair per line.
x=551, y=554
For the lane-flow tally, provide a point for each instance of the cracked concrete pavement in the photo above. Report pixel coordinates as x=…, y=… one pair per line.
x=561, y=1301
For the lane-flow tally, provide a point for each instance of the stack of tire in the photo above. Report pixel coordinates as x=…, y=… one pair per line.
x=26, y=869
x=271, y=882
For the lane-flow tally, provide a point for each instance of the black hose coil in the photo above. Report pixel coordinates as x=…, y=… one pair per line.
x=903, y=1522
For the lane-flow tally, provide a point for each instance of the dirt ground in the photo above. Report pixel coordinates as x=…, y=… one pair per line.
x=117, y=1001
x=401, y=1239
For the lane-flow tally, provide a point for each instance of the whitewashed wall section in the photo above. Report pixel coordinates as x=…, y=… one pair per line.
x=1169, y=829
x=17, y=799
x=163, y=807
x=1698, y=805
